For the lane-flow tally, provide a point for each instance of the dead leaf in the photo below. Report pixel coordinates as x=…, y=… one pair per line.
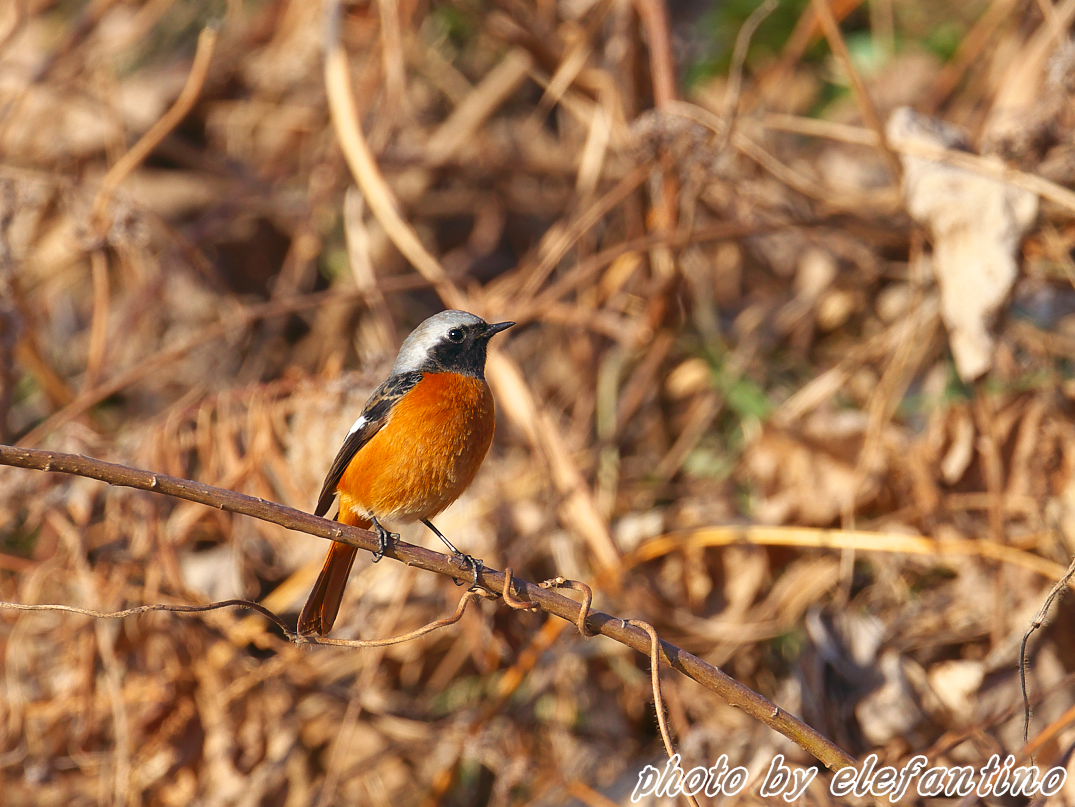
x=976, y=224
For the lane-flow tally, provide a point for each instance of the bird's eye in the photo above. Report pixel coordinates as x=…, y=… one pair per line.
x=456, y=335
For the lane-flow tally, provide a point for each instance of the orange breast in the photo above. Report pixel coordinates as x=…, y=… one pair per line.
x=426, y=454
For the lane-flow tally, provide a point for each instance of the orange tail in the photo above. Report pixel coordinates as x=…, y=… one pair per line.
x=324, y=601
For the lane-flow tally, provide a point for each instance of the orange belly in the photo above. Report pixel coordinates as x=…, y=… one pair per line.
x=426, y=454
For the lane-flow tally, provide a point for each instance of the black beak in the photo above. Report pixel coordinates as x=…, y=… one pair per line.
x=496, y=327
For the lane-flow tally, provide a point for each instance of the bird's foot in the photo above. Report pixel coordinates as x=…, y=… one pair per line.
x=474, y=564
x=385, y=539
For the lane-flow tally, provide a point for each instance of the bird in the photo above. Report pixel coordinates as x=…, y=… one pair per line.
x=415, y=448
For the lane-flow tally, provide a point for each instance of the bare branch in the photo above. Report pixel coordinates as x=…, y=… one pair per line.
x=730, y=690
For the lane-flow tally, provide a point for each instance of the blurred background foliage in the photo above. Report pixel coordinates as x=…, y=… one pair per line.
x=724, y=333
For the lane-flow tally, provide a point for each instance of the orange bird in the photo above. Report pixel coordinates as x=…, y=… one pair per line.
x=414, y=449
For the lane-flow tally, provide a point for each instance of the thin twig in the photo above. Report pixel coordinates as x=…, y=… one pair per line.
x=730, y=690
x=106, y=650
x=654, y=17
x=508, y=595
x=968, y=54
x=272, y=616
x=144, y=609
x=1039, y=620
x=822, y=538
x=558, y=241
x=739, y=55
x=199, y=70
x=865, y=102
x=356, y=150
x=587, y=599
x=1048, y=734
x=655, y=684
x=467, y=598
x=244, y=317
x=989, y=167
x=98, y=347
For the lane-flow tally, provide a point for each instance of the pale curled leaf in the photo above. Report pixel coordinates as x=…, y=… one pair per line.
x=976, y=223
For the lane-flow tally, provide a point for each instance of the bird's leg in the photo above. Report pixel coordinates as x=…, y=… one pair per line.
x=384, y=538
x=473, y=563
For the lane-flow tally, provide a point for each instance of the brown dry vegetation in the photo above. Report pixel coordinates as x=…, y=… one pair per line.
x=719, y=328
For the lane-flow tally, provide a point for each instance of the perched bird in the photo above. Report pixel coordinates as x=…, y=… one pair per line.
x=414, y=449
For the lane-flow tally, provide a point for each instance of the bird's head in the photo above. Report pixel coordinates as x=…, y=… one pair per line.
x=449, y=342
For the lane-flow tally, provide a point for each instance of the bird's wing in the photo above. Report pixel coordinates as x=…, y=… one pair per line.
x=374, y=416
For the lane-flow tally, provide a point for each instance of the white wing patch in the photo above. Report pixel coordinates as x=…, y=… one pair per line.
x=358, y=424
